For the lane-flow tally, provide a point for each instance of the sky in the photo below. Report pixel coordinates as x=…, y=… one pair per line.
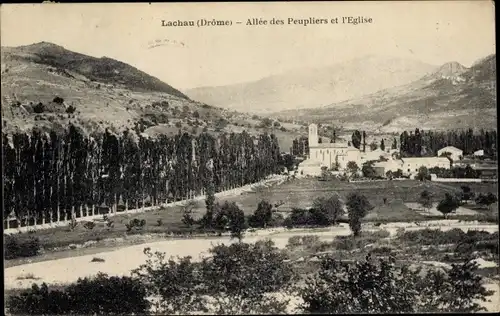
x=434, y=32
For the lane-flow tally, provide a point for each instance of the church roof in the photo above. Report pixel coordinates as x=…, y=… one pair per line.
x=309, y=163
x=329, y=145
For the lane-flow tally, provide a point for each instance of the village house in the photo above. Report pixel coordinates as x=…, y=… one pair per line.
x=411, y=165
x=454, y=153
x=479, y=153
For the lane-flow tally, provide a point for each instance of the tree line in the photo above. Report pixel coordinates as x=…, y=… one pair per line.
x=53, y=176
x=427, y=143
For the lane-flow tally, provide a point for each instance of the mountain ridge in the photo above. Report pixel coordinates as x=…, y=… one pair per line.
x=305, y=87
x=466, y=97
x=104, y=69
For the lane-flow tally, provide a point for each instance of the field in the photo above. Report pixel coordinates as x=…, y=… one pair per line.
x=166, y=222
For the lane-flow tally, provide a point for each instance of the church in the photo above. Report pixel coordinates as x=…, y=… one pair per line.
x=333, y=156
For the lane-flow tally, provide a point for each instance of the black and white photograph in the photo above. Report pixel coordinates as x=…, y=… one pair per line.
x=232, y=158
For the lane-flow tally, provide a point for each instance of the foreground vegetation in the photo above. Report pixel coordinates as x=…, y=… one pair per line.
x=350, y=274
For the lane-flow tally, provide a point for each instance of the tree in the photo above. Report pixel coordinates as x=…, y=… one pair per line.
x=237, y=225
x=356, y=139
x=423, y=174
x=368, y=170
x=209, y=199
x=240, y=275
x=425, y=199
x=394, y=144
x=352, y=166
x=448, y=204
x=266, y=122
x=467, y=193
x=373, y=146
x=331, y=206
x=486, y=200
x=357, y=208
x=389, y=175
x=263, y=215
x=382, y=145
x=364, y=141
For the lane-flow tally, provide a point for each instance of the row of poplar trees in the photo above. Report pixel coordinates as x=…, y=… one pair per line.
x=54, y=176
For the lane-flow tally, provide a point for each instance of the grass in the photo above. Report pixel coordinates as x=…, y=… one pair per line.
x=295, y=193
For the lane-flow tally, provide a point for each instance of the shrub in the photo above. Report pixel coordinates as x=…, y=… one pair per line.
x=368, y=287
x=72, y=224
x=89, y=225
x=240, y=275
x=433, y=236
x=383, y=233
x=174, y=282
x=277, y=220
x=70, y=109
x=135, y=224
x=233, y=280
x=15, y=248
x=58, y=100
x=294, y=242
x=96, y=259
x=99, y=295
x=39, y=108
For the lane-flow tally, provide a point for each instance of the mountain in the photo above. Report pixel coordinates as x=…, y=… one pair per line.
x=452, y=96
x=104, y=69
x=48, y=87
x=310, y=87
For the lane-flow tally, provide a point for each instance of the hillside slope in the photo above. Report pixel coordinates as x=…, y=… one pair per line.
x=451, y=97
x=42, y=84
x=104, y=70
x=304, y=88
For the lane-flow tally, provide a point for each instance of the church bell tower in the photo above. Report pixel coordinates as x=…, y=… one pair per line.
x=313, y=135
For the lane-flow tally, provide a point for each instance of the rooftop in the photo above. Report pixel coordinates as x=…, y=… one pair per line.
x=452, y=148
x=425, y=159
x=330, y=145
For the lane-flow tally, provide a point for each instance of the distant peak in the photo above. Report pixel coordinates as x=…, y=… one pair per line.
x=452, y=68
x=44, y=44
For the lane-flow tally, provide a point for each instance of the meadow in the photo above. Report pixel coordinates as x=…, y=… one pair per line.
x=166, y=222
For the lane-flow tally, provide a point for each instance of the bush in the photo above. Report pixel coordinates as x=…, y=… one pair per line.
x=100, y=295
x=39, y=108
x=15, y=248
x=58, y=100
x=233, y=280
x=71, y=109
x=433, y=236
x=135, y=224
x=89, y=225
x=369, y=287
